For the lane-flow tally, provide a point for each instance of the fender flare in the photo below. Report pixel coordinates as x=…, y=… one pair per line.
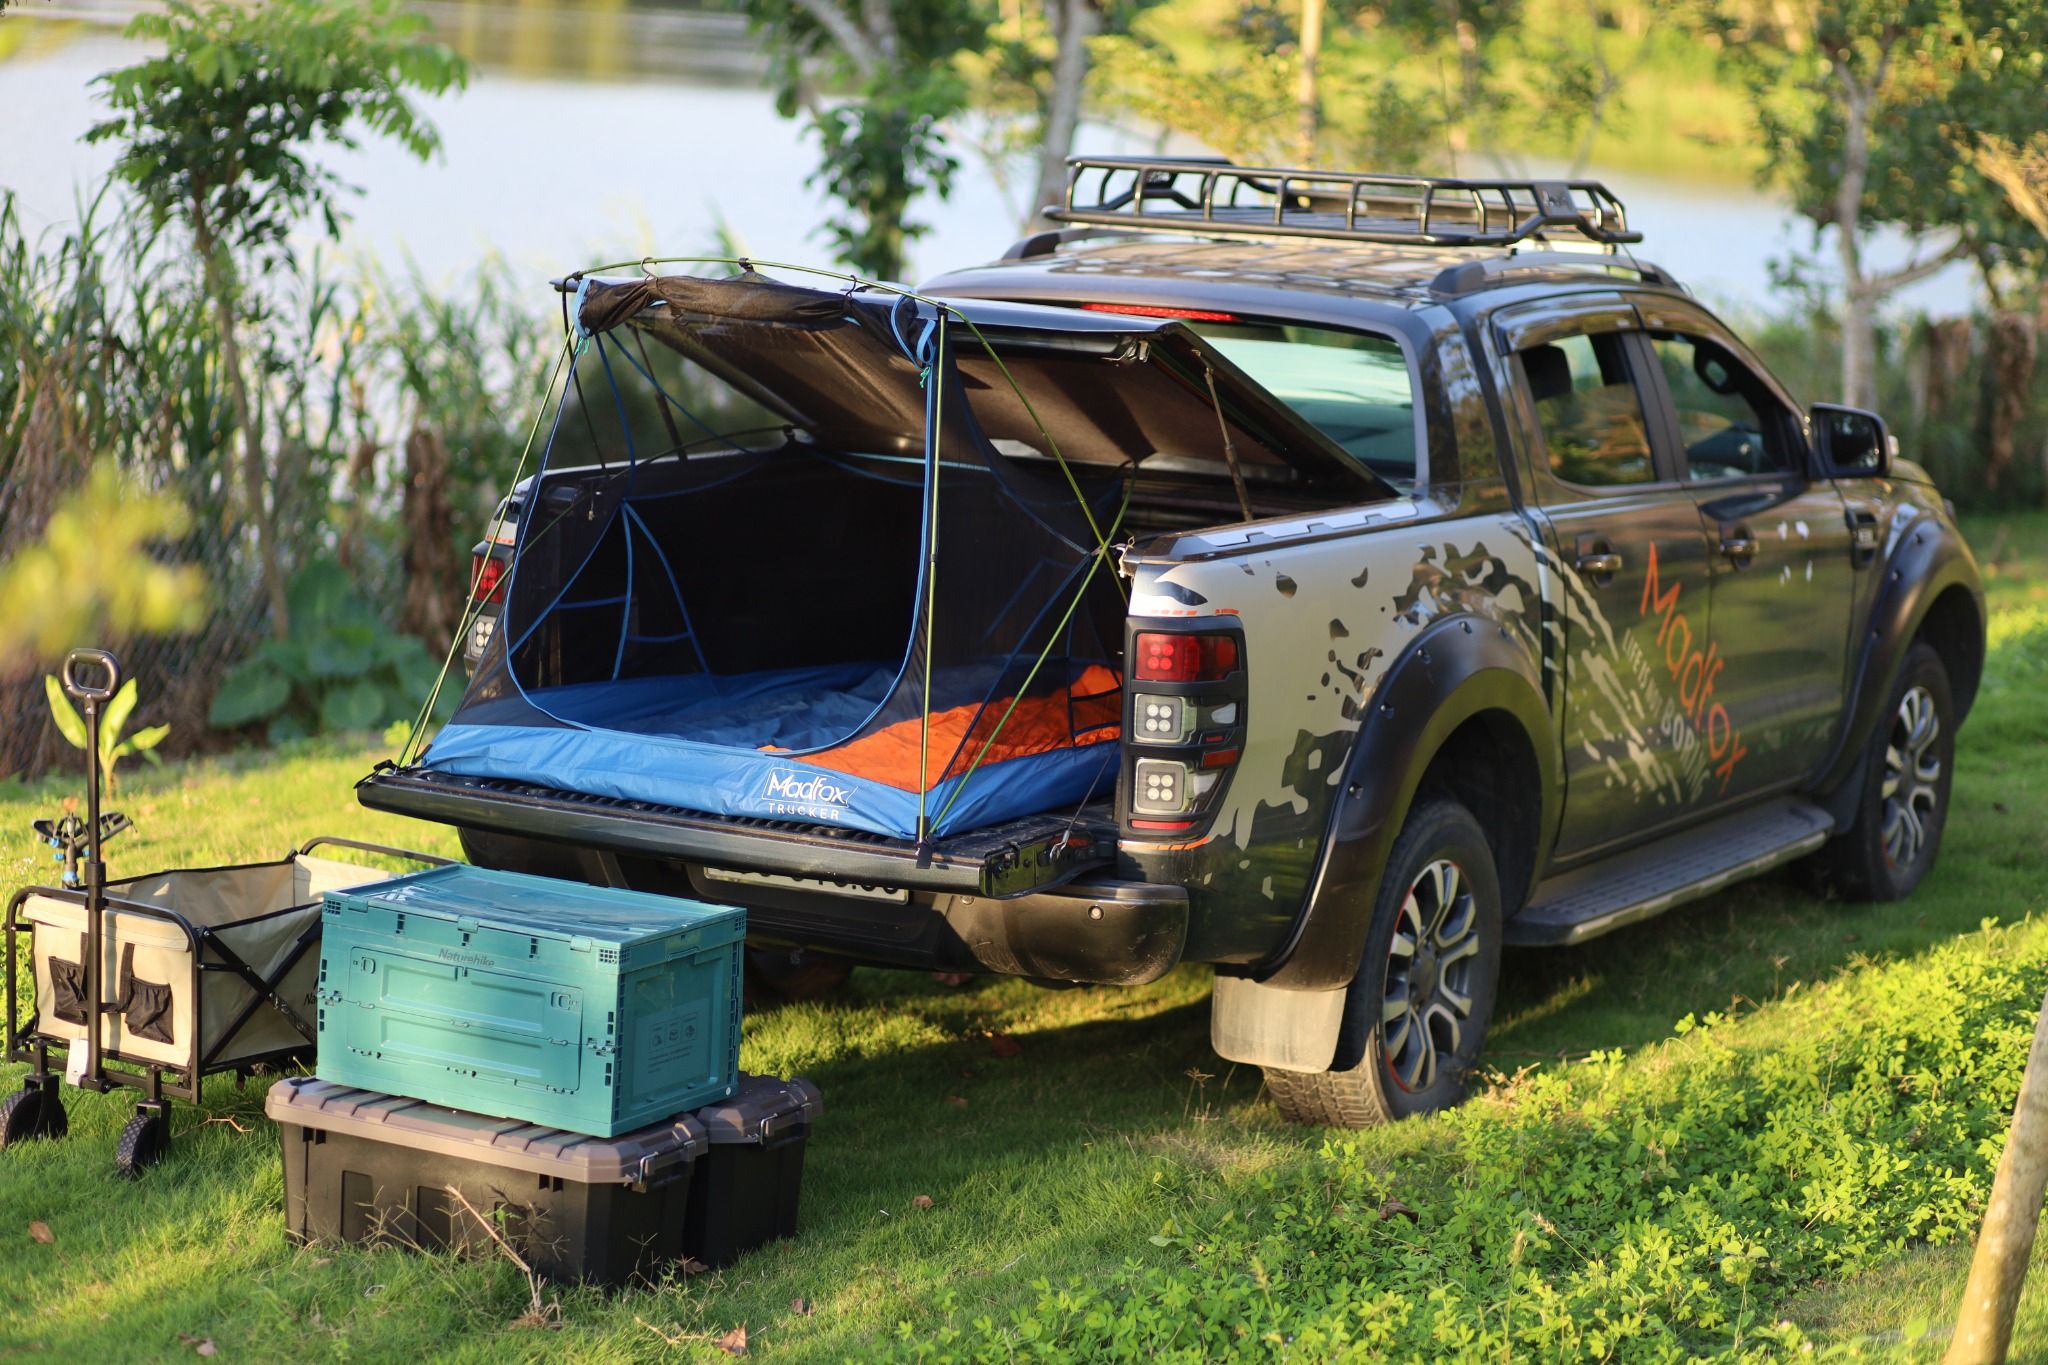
x=1457, y=668
x=1929, y=560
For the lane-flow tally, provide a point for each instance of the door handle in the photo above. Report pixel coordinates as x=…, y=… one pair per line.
x=1600, y=564
x=1738, y=544
x=1863, y=537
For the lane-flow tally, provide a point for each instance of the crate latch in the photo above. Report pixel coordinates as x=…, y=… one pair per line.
x=660, y=1168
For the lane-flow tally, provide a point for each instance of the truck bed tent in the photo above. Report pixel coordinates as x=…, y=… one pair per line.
x=773, y=565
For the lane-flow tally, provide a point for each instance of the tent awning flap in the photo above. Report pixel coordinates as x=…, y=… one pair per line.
x=1100, y=388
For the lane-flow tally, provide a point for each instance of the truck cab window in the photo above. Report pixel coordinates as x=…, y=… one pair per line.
x=1354, y=387
x=1729, y=421
x=1589, y=410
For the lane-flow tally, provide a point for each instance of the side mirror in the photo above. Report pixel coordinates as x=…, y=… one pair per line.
x=1851, y=443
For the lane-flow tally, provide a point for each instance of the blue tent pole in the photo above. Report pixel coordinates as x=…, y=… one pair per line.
x=935, y=377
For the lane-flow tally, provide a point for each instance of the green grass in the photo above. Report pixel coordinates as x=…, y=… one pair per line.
x=1064, y=1162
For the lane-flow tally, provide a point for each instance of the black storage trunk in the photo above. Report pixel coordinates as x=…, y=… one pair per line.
x=745, y=1190
x=364, y=1167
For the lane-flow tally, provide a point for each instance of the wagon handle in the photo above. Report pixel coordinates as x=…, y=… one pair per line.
x=90, y=700
x=80, y=691
x=431, y=860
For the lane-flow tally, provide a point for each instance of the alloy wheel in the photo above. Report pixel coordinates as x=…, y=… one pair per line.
x=1912, y=778
x=1427, y=1002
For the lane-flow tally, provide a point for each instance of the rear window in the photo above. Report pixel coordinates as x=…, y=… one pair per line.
x=1355, y=388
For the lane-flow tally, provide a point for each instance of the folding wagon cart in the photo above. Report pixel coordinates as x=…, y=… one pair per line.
x=189, y=972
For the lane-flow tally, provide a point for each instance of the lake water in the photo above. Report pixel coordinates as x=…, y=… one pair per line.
x=605, y=132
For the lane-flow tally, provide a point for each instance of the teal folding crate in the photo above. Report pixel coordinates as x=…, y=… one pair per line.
x=583, y=1008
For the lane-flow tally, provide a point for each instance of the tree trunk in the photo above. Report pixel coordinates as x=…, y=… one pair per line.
x=1073, y=23
x=2009, y=350
x=220, y=284
x=1944, y=357
x=1859, y=303
x=1307, y=104
x=1999, y=1269
x=1859, y=346
x=433, y=590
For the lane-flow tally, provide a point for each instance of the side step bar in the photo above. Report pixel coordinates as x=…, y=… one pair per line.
x=1587, y=902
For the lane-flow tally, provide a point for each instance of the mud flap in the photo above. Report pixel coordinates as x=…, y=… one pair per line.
x=1268, y=1026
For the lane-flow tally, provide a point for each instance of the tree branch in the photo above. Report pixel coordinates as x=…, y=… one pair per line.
x=881, y=30
x=853, y=40
x=1916, y=271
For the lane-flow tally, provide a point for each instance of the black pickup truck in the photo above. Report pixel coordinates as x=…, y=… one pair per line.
x=1475, y=586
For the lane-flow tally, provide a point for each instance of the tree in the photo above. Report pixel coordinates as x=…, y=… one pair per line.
x=2019, y=170
x=883, y=143
x=1043, y=58
x=1853, y=99
x=217, y=133
x=1372, y=89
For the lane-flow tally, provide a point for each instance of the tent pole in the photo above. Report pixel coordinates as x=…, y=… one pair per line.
x=936, y=377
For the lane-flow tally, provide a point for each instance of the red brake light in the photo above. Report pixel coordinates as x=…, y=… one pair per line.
x=1143, y=310
x=1163, y=656
x=487, y=579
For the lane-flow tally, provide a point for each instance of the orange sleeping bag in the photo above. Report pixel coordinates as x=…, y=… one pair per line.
x=1088, y=712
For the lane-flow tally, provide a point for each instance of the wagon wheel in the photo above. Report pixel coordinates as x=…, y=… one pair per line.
x=34, y=1111
x=145, y=1141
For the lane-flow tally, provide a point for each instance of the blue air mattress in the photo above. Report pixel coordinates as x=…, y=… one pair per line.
x=805, y=745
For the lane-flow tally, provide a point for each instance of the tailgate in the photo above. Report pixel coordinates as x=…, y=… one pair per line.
x=1009, y=859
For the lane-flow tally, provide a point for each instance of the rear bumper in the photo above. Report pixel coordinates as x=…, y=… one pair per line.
x=1108, y=933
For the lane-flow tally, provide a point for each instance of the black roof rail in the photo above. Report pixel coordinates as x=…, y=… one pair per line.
x=1467, y=277
x=1045, y=243
x=1217, y=197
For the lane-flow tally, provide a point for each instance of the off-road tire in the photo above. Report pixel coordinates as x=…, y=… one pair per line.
x=1364, y=1087
x=1901, y=768
x=31, y=1112
x=144, y=1142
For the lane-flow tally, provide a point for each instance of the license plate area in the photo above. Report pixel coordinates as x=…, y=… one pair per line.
x=890, y=895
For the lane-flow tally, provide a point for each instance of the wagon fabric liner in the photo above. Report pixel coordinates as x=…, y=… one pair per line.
x=210, y=923
x=855, y=609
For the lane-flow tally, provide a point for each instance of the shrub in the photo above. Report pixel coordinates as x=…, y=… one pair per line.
x=340, y=668
x=1647, y=1209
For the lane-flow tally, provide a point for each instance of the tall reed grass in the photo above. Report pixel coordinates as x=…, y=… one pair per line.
x=394, y=407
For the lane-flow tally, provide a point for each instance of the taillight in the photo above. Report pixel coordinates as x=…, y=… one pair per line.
x=487, y=579
x=1185, y=731
x=1164, y=656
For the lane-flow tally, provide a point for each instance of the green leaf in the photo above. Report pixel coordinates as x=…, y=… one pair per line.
x=145, y=740
x=69, y=723
x=342, y=651
x=116, y=714
x=398, y=651
x=354, y=706
x=252, y=690
x=318, y=593
x=289, y=657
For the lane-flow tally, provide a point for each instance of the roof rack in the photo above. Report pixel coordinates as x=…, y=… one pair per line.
x=1213, y=196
